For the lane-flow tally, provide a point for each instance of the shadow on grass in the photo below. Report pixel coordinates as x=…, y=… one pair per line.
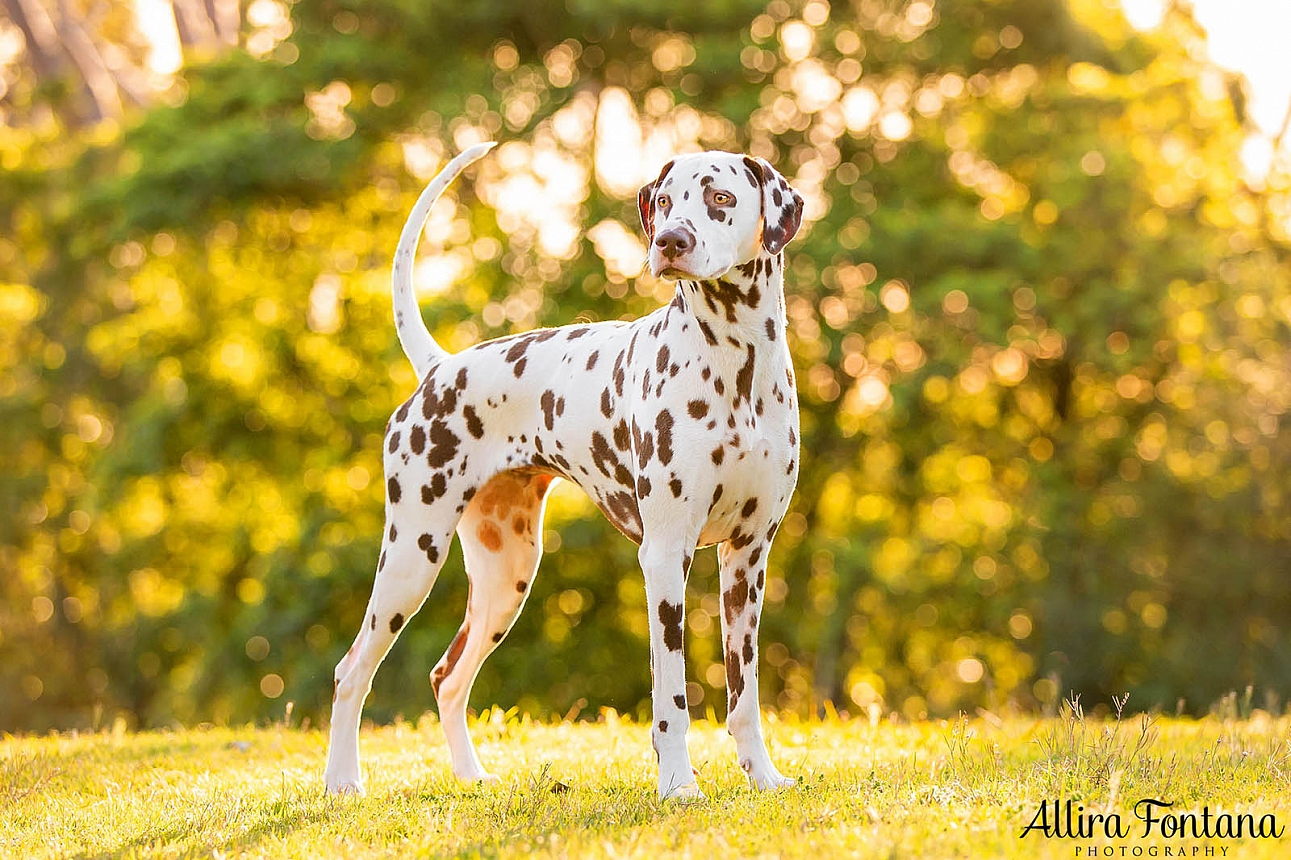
x=527, y=810
x=449, y=820
x=192, y=836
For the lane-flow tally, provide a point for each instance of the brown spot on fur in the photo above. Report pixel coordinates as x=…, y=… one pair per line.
x=473, y=424
x=728, y=295
x=443, y=445
x=548, y=402
x=427, y=545
x=734, y=600
x=489, y=535
x=450, y=659
x=435, y=405
x=435, y=489
x=707, y=331
x=619, y=376
x=396, y=622
x=663, y=424
x=670, y=616
x=644, y=444
x=697, y=409
x=622, y=512
x=603, y=457
x=734, y=679
x=744, y=378
x=622, y=436
x=393, y=490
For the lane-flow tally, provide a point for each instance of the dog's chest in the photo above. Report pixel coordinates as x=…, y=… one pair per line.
x=754, y=464
x=718, y=423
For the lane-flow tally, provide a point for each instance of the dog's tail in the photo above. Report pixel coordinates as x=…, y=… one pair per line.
x=418, y=345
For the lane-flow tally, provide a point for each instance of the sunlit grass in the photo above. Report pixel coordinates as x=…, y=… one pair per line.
x=961, y=788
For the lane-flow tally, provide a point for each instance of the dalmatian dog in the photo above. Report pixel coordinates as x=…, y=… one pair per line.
x=682, y=426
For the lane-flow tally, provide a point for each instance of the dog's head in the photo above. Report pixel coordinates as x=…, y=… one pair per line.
x=712, y=211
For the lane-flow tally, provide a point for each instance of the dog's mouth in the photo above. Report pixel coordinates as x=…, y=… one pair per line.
x=673, y=273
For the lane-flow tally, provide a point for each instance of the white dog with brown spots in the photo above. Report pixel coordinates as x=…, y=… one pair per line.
x=682, y=426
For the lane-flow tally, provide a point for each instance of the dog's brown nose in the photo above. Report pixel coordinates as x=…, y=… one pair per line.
x=674, y=242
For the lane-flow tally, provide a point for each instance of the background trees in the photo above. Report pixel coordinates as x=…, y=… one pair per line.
x=1040, y=317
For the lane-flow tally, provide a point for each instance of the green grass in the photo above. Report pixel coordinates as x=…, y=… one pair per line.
x=963, y=788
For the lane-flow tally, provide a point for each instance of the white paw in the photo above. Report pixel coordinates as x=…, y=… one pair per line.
x=688, y=793
x=478, y=776
x=344, y=787
x=774, y=782
x=765, y=777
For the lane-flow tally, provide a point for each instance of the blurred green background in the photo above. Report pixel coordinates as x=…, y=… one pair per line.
x=1040, y=314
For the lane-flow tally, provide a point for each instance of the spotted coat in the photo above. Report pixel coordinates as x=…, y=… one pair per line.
x=681, y=426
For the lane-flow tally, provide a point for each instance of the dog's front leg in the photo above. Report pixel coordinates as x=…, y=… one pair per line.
x=664, y=562
x=743, y=581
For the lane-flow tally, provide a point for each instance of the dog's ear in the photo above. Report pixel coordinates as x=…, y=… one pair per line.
x=781, y=205
x=645, y=202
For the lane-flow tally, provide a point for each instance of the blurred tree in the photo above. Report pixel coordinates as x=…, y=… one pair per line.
x=88, y=62
x=1040, y=318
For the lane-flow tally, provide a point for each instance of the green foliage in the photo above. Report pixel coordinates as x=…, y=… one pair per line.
x=1040, y=320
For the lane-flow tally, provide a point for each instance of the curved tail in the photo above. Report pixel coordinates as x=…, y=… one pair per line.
x=415, y=338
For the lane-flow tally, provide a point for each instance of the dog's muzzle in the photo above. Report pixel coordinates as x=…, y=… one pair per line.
x=671, y=249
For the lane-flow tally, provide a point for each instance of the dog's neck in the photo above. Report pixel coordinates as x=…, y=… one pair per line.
x=746, y=300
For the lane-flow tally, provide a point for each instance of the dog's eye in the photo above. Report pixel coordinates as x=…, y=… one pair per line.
x=721, y=198
x=663, y=201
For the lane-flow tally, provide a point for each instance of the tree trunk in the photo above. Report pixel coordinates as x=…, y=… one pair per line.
x=227, y=17
x=196, y=27
x=46, y=56
x=98, y=78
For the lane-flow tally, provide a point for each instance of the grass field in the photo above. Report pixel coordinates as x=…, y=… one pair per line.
x=963, y=788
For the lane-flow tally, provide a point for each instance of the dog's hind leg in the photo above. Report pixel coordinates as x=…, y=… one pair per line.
x=743, y=582
x=413, y=551
x=501, y=535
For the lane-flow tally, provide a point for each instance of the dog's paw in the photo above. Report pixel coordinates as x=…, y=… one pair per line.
x=340, y=788
x=481, y=776
x=774, y=783
x=766, y=777
x=688, y=793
